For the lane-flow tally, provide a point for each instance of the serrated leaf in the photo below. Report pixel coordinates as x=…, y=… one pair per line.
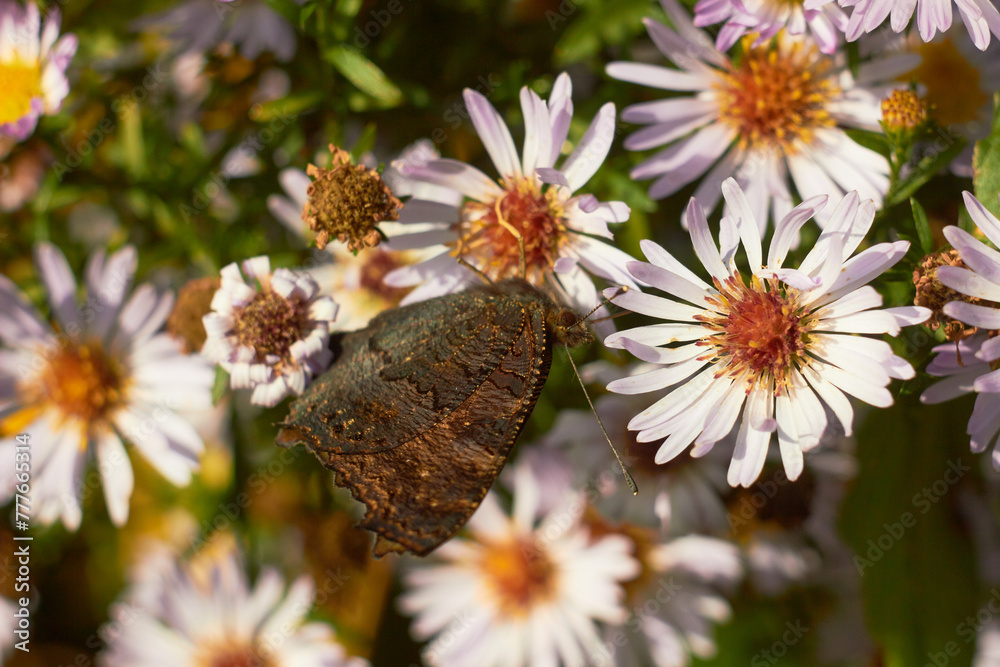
x=220, y=386
x=986, y=164
x=923, y=227
x=364, y=74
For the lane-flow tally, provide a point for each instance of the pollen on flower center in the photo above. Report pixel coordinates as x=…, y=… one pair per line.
x=485, y=239
x=232, y=654
x=520, y=575
x=375, y=267
x=762, y=334
x=20, y=83
x=83, y=382
x=270, y=324
x=776, y=98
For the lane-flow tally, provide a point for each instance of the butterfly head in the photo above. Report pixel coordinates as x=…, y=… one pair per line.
x=568, y=328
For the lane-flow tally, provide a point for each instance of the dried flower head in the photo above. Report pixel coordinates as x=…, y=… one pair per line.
x=346, y=202
x=931, y=293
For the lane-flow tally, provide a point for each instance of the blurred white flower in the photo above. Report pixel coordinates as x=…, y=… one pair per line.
x=520, y=589
x=205, y=612
x=103, y=375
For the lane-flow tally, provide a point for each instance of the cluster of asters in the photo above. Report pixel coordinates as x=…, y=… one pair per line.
x=743, y=351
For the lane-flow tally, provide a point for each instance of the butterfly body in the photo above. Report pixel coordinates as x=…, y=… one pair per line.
x=421, y=408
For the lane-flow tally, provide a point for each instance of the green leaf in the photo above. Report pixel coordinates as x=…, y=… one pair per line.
x=592, y=25
x=917, y=566
x=289, y=106
x=364, y=74
x=986, y=164
x=923, y=227
x=220, y=386
x=875, y=141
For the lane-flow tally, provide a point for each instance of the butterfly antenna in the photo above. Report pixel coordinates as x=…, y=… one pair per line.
x=475, y=269
x=621, y=290
x=628, y=476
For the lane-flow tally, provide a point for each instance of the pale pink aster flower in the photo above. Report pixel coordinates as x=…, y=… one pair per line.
x=780, y=345
x=271, y=337
x=559, y=226
x=206, y=612
x=103, y=376
x=981, y=17
x=779, y=115
x=32, y=67
x=969, y=365
x=766, y=18
x=521, y=589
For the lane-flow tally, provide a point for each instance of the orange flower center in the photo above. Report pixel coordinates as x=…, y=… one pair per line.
x=83, y=382
x=20, y=82
x=777, y=97
x=761, y=333
x=487, y=242
x=232, y=653
x=520, y=575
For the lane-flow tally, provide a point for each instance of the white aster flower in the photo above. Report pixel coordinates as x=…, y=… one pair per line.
x=201, y=25
x=102, y=376
x=524, y=589
x=970, y=365
x=780, y=113
x=674, y=604
x=766, y=18
x=32, y=67
x=271, y=338
x=781, y=344
x=533, y=197
x=683, y=496
x=205, y=612
x=980, y=17
x=356, y=278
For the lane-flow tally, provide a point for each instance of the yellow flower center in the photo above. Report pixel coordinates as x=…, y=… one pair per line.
x=954, y=88
x=20, y=82
x=777, y=97
x=520, y=575
x=485, y=237
x=761, y=332
x=82, y=382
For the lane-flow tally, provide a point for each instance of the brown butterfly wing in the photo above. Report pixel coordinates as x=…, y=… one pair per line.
x=419, y=412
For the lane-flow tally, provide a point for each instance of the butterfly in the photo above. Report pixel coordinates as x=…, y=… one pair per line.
x=420, y=409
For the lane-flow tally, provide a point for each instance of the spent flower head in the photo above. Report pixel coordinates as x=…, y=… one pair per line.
x=347, y=202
